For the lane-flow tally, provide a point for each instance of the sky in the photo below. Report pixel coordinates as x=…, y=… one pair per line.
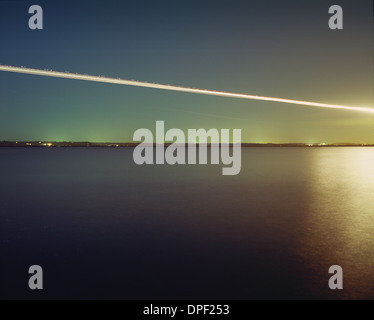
x=274, y=48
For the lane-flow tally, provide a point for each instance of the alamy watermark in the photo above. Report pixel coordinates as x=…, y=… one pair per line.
x=336, y=281
x=36, y=280
x=36, y=20
x=197, y=140
x=335, y=21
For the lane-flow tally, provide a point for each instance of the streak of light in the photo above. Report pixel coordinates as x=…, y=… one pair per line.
x=76, y=76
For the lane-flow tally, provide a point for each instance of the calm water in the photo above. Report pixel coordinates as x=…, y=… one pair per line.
x=102, y=227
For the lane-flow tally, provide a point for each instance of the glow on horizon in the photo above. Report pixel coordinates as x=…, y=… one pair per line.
x=68, y=75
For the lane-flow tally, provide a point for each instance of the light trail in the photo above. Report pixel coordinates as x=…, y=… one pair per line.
x=68, y=75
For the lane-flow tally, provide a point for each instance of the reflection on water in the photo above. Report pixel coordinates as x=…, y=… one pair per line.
x=339, y=227
x=103, y=227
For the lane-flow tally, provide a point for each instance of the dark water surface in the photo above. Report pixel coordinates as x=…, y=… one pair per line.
x=102, y=227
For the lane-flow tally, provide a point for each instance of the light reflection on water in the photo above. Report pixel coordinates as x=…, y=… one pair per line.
x=93, y=218
x=339, y=227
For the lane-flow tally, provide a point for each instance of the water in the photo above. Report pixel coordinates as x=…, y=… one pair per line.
x=102, y=227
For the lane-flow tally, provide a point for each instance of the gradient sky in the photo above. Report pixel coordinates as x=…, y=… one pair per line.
x=274, y=48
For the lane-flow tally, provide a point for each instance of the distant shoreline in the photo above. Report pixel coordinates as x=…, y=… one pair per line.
x=49, y=144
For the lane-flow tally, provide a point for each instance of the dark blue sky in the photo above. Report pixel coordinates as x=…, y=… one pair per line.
x=275, y=48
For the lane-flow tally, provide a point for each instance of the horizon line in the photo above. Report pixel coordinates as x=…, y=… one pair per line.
x=40, y=142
